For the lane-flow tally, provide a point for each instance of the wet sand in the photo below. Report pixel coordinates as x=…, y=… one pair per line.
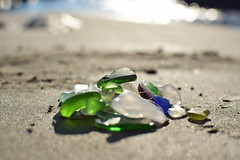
x=36, y=66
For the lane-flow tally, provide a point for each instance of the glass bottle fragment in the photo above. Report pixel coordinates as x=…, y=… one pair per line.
x=145, y=92
x=198, y=114
x=119, y=76
x=171, y=93
x=76, y=102
x=176, y=112
x=133, y=106
x=162, y=102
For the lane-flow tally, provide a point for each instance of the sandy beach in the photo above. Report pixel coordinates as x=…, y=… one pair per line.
x=202, y=61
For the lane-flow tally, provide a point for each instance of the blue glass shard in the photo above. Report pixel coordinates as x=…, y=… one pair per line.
x=162, y=102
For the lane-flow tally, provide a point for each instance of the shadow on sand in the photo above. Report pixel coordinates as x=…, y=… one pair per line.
x=85, y=125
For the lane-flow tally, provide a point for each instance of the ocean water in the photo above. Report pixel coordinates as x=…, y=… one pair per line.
x=141, y=11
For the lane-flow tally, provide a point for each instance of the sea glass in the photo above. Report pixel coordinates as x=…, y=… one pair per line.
x=114, y=86
x=145, y=92
x=80, y=88
x=171, y=93
x=162, y=102
x=93, y=105
x=65, y=95
x=133, y=106
x=108, y=96
x=198, y=114
x=105, y=115
x=119, y=76
x=125, y=127
x=129, y=86
x=176, y=112
x=92, y=88
x=158, y=84
x=76, y=102
x=153, y=88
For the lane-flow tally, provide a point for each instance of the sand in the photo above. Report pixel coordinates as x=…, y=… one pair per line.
x=203, y=61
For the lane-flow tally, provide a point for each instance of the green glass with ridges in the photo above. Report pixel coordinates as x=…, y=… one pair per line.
x=119, y=76
x=114, y=86
x=93, y=105
x=127, y=127
x=76, y=102
x=198, y=114
x=153, y=88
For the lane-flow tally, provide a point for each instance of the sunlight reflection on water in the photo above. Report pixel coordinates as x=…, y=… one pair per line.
x=143, y=11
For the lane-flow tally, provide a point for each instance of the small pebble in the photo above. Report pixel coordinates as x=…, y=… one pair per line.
x=151, y=71
x=47, y=80
x=230, y=98
x=19, y=74
x=29, y=130
x=213, y=131
x=50, y=108
x=33, y=80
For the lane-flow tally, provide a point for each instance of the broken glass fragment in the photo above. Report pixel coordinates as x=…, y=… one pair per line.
x=133, y=106
x=80, y=88
x=76, y=102
x=129, y=86
x=124, y=127
x=119, y=76
x=198, y=114
x=93, y=105
x=171, y=93
x=145, y=92
x=162, y=102
x=65, y=95
x=176, y=112
x=114, y=86
x=153, y=88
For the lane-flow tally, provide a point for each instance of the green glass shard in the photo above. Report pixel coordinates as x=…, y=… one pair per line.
x=114, y=86
x=127, y=127
x=119, y=76
x=93, y=105
x=198, y=114
x=76, y=102
x=153, y=88
x=107, y=115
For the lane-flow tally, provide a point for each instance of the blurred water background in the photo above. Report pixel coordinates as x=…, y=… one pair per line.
x=225, y=12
